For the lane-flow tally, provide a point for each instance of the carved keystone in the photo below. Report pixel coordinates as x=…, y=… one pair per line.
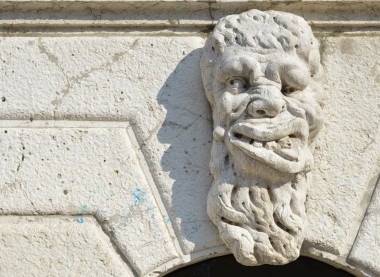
x=260, y=73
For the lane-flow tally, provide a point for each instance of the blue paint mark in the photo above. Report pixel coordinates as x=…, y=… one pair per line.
x=192, y=221
x=84, y=208
x=194, y=229
x=138, y=195
x=103, y=214
x=149, y=209
x=80, y=219
x=190, y=218
x=167, y=220
x=90, y=196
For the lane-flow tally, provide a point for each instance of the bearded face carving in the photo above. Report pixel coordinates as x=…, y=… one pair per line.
x=260, y=72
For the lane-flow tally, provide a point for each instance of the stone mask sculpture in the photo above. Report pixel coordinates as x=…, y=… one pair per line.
x=260, y=72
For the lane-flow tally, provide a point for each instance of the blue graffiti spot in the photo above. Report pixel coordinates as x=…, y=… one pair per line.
x=167, y=220
x=194, y=229
x=149, y=209
x=138, y=194
x=80, y=219
x=84, y=208
x=190, y=218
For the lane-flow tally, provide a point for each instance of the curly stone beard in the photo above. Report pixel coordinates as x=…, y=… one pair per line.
x=257, y=198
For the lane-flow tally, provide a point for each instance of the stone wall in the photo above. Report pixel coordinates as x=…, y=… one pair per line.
x=105, y=136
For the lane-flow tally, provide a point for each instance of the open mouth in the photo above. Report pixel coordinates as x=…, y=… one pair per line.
x=280, y=146
x=287, y=147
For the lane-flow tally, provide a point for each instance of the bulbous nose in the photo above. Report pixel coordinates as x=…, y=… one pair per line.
x=268, y=103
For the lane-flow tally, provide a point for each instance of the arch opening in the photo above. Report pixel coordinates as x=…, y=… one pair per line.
x=228, y=266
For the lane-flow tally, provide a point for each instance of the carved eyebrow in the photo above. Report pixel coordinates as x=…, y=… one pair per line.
x=230, y=68
x=237, y=66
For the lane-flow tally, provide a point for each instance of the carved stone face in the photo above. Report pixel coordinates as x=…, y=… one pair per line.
x=259, y=71
x=260, y=98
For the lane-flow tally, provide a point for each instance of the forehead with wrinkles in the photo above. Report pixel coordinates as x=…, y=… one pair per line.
x=258, y=35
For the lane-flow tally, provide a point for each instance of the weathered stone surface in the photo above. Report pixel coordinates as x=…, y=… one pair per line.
x=259, y=71
x=109, y=78
x=178, y=150
x=57, y=246
x=85, y=171
x=152, y=79
x=88, y=78
x=365, y=253
x=347, y=158
x=132, y=14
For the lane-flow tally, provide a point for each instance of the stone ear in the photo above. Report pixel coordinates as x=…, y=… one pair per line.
x=315, y=67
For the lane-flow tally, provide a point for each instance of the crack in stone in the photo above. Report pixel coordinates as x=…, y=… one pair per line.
x=71, y=81
x=22, y=157
x=26, y=195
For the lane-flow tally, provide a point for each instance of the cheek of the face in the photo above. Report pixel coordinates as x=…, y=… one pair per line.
x=305, y=101
x=228, y=104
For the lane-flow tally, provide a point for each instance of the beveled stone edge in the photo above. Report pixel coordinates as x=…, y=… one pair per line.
x=104, y=235
x=372, y=210
x=105, y=15
x=172, y=232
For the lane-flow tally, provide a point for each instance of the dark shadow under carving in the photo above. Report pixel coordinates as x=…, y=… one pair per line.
x=227, y=266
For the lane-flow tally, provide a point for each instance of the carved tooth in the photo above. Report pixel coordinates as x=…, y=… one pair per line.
x=271, y=145
x=285, y=143
x=258, y=143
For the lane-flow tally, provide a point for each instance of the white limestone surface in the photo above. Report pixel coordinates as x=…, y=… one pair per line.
x=347, y=158
x=57, y=246
x=117, y=78
x=153, y=82
x=86, y=171
x=365, y=253
x=260, y=72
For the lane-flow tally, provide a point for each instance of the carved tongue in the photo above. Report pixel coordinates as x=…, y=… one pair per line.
x=288, y=148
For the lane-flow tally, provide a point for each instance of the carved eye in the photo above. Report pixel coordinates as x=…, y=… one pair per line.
x=294, y=79
x=237, y=85
x=286, y=90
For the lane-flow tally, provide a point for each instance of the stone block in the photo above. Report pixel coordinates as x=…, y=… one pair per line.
x=152, y=80
x=86, y=171
x=57, y=246
x=365, y=252
x=347, y=159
